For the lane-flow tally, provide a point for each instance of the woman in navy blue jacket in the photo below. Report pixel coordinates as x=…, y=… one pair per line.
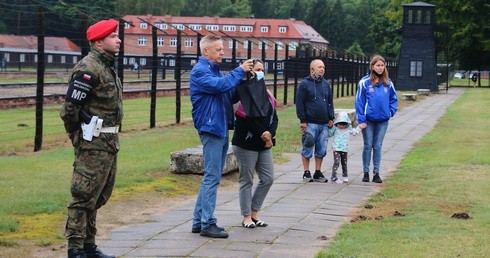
x=376, y=102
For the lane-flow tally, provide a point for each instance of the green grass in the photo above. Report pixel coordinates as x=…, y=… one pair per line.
x=446, y=173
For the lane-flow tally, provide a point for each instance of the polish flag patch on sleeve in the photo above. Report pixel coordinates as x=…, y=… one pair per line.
x=87, y=77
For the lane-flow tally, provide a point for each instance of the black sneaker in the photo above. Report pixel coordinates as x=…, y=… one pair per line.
x=93, y=252
x=377, y=179
x=366, y=177
x=307, y=176
x=198, y=230
x=214, y=231
x=319, y=177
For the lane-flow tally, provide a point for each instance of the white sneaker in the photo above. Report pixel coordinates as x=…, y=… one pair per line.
x=345, y=179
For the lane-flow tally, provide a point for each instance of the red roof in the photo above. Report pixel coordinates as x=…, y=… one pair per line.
x=61, y=44
x=295, y=29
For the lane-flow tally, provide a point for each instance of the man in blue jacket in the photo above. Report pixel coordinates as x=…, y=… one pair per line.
x=212, y=112
x=315, y=110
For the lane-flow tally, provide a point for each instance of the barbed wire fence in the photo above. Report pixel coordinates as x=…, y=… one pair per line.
x=160, y=89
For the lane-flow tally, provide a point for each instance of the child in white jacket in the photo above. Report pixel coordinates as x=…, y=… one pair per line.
x=340, y=133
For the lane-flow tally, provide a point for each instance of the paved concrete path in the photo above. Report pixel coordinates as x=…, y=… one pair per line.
x=300, y=215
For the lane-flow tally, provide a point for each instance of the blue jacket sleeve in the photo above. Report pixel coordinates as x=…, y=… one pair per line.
x=211, y=84
x=300, y=107
x=360, y=103
x=393, y=100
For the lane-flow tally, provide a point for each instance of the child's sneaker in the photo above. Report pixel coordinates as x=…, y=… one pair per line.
x=319, y=177
x=307, y=176
x=335, y=179
x=345, y=179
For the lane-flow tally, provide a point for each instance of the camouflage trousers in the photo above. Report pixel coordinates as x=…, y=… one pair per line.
x=91, y=187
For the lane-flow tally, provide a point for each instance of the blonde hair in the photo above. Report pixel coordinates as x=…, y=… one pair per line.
x=373, y=76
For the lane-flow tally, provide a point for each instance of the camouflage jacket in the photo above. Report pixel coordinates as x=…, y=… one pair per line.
x=104, y=100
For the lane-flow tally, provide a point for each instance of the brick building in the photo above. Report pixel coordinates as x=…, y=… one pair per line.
x=245, y=31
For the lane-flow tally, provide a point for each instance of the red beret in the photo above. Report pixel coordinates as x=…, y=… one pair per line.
x=101, y=29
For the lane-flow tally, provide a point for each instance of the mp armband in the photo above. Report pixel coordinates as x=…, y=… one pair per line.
x=79, y=88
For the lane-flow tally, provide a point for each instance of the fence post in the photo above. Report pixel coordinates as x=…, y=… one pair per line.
x=275, y=70
x=178, y=71
x=285, y=74
x=38, y=139
x=154, y=63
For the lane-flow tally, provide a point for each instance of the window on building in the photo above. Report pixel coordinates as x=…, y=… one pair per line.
x=230, y=43
x=293, y=45
x=142, y=61
x=189, y=42
x=410, y=17
x=280, y=45
x=195, y=26
x=262, y=43
x=264, y=28
x=126, y=25
x=245, y=44
x=63, y=59
x=22, y=57
x=160, y=42
x=142, y=41
x=161, y=25
x=7, y=57
x=50, y=58
x=427, y=17
x=283, y=29
x=246, y=28
x=418, y=19
x=143, y=25
x=173, y=42
x=416, y=68
x=212, y=27
x=229, y=28
x=178, y=26
x=74, y=59
x=35, y=58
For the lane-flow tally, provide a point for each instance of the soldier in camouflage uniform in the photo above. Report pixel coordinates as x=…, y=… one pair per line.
x=94, y=90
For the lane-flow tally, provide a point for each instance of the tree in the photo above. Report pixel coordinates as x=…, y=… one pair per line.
x=463, y=29
x=239, y=9
x=154, y=7
x=204, y=8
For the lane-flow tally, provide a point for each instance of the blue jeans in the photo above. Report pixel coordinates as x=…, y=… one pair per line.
x=373, y=136
x=320, y=132
x=215, y=149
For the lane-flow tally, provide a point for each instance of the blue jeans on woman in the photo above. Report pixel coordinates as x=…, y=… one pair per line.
x=215, y=149
x=373, y=136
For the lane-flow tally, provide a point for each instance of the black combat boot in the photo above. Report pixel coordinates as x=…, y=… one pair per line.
x=377, y=179
x=93, y=252
x=76, y=253
x=366, y=177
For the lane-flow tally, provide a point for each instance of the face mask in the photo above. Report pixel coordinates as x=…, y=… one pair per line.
x=259, y=75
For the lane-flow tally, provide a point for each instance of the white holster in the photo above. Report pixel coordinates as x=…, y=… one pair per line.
x=92, y=129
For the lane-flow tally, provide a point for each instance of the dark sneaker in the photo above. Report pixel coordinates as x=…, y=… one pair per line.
x=198, y=230
x=76, y=253
x=366, y=177
x=319, y=177
x=214, y=231
x=377, y=179
x=93, y=252
x=307, y=176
